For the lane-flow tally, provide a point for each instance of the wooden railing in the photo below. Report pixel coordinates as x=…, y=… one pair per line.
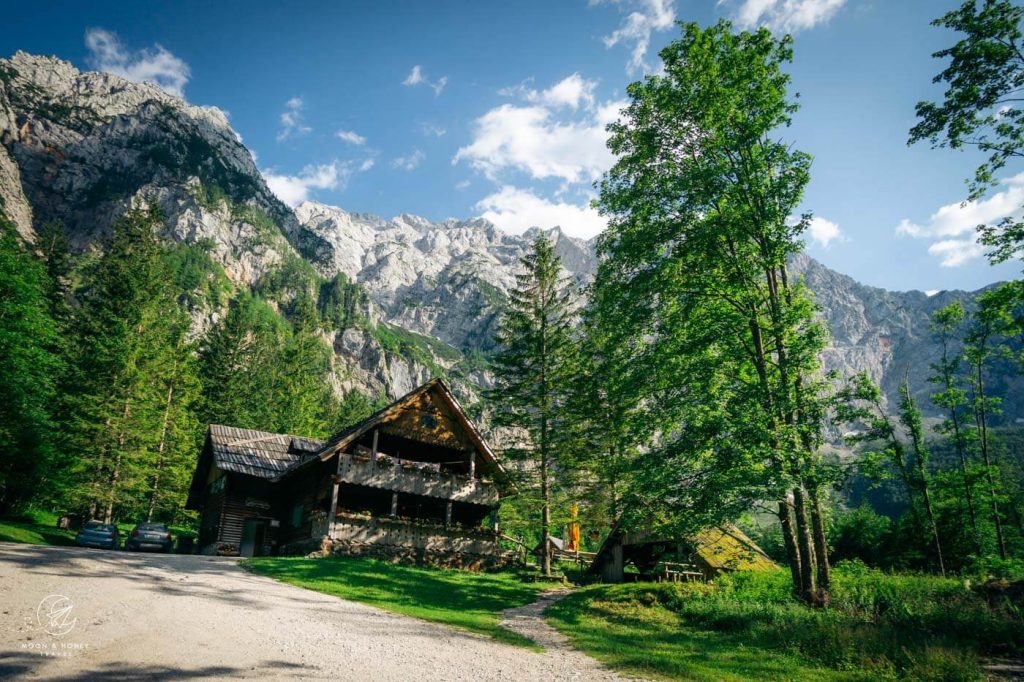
x=389, y=474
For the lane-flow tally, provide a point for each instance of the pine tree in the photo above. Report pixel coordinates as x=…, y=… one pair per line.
x=532, y=369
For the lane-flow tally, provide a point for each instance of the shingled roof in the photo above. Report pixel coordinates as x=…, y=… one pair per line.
x=258, y=453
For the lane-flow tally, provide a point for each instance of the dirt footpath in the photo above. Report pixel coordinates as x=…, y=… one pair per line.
x=80, y=614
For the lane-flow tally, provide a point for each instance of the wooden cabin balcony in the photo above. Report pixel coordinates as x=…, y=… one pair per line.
x=432, y=537
x=404, y=476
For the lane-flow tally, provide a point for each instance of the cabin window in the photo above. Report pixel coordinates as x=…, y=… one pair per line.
x=296, y=516
x=428, y=421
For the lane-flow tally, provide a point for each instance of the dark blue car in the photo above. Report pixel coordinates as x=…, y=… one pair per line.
x=98, y=534
x=153, y=536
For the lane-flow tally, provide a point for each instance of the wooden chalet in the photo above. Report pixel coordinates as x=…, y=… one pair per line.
x=703, y=556
x=413, y=481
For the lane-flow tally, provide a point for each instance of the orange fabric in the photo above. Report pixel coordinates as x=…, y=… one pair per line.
x=573, y=544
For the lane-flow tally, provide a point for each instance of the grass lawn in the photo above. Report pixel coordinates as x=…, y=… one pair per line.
x=471, y=601
x=747, y=628
x=34, y=533
x=606, y=622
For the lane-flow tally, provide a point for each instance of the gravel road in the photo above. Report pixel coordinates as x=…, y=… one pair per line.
x=169, y=617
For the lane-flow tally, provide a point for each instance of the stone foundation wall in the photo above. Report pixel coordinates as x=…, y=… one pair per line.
x=417, y=556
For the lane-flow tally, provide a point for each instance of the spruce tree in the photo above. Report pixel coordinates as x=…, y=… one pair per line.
x=31, y=367
x=128, y=324
x=532, y=372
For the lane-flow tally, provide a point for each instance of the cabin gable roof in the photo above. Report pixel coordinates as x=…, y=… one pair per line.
x=429, y=413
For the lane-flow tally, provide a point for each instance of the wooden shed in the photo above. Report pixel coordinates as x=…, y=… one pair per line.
x=706, y=554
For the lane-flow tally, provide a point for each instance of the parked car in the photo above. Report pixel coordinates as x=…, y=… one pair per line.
x=98, y=534
x=150, y=536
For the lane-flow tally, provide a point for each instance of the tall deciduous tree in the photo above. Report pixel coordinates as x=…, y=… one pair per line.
x=532, y=369
x=952, y=398
x=696, y=266
x=981, y=348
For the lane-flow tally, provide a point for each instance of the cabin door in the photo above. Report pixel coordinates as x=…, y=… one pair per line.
x=254, y=534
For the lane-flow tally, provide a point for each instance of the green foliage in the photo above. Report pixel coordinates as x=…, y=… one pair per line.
x=860, y=534
x=260, y=372
x=470, y=601
x=747, y=626
x=267, y=230
x=342, y=304
x=418, y=347
x=31, y=358
x=195, y=273
x=532, y=371
x=291, y=276
x=131, y=428
x=719, y=345
x=983, y=79
x=212, y=197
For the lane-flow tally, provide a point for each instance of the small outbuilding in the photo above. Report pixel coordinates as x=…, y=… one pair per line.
x=702, y=556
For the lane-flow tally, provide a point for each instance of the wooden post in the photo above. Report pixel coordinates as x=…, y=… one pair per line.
x=448, y=514
x=373, y=451
x=334, y=496
x=472, y=463
x=394, y=505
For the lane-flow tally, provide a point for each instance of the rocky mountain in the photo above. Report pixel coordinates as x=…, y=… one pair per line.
x=78, y=148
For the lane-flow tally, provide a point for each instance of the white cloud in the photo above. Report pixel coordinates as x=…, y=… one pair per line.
x=409, y=162
x=366, y=165
x=351, y=137
x=532, y=140
x=787, y=16
x=292, y=121
x=572, y=91
x=516, y=210
x=417, y=77
x=294, y=189
x=948, y=225
x=824, y=232
x=150, y=65
x=462, y=184
x=955, y=252
x=636, y=28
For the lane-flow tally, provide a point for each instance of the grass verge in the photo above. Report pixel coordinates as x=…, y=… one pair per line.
x=470, y=601
x=746, y=627
x=31, y=533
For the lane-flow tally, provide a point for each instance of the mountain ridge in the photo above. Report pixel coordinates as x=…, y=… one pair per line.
x=79, y=148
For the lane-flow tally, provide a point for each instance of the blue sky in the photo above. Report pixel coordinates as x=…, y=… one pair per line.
x=455, y=109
